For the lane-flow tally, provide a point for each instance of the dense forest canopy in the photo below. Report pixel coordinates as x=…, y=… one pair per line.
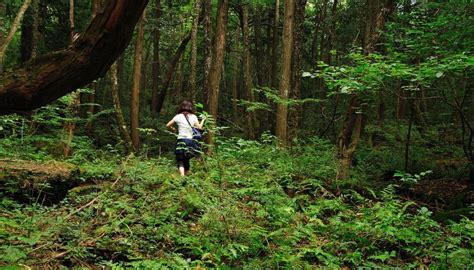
x=339, y=133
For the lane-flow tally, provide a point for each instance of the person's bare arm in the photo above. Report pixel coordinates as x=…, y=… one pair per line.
x=170, y=125
x=200, y=124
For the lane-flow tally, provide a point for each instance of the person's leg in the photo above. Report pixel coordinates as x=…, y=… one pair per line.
x=187, y=166
x=180, y=163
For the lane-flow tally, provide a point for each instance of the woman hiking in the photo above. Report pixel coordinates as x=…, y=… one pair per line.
x=186, y=146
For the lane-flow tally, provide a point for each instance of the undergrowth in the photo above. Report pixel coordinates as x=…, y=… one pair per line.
x=251, y=205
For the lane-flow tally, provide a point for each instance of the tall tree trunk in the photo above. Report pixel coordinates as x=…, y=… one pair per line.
x=259, y=58
x=3, y=9
x=64, y=71
x=331, y=29
x=235, y=91
x=122, y=126
x=70, y=124
x=318, y=17
x=351, y=130
x=72, y=27
x=275, y=41
x=324, y=26
x=217, y=61
x=30, y=32
x=236, y=72
x=295, y=111
x=178, y=92
x=170, y=72
x=285, y=81
x=156, y=66
x=96, y=6
x=251, y=117
x=135, y=94
x=349, y=137
x=207, y=8
x=16, y=23
x=194, y=30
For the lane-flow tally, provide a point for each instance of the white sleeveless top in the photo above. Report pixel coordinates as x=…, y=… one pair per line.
x=184, y=129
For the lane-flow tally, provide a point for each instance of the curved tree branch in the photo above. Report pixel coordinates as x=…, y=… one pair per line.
x=48, y=77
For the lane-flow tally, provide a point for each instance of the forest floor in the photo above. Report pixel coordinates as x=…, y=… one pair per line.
x=249, y=206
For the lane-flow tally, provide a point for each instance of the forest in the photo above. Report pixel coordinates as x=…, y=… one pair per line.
x=336, y=134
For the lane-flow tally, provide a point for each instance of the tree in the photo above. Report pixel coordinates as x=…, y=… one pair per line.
x=248, y=82
x=192, y=76
x=350, y=133
x=14, y=27
x=156, y=65
x=207, y=11
x=48, y=77
x=122, y=126
x=217, y=60
x=169, y=74
x=285, y=81
x=135, y=93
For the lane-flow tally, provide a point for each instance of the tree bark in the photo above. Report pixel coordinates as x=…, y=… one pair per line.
x=3, y=9
x=170, y=72
x=72, y=28
x=274, y=52
x=122, y=126
x=14, y=27
x=194, y=30
x=349, y=135
x=259, y=58
x=295, y=110
x=30, y=32
x=48, y=77
x=285, y=81
x=156, y=66
x=96, y=6
x=207, y=8
x=135, y=93
x=251, y=117
x=73, y=108
x=217, y=61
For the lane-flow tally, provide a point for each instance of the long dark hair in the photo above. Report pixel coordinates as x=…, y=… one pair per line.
x=186, y=107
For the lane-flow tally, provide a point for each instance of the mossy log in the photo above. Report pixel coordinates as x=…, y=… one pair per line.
x=30, y=181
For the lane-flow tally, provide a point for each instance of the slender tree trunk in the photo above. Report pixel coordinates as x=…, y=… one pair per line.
x=135, y=94
x=324, y=26
x=260, y=60
x=217, y=61
x=122, y=126
x=72, y=27
x=296, y=110
x=207, y=48
x=349, y=136
x=156, y=66
x=331, y=29
x=169, y=74
x=235, y=91
x=14, y=27
x=318, y=17
x=96, y=6
x=275, y=41
x=194, y=31
x=236, y=72
x=70, y=124
x=285, y=81
x=178, y=93
x=30, y=32
x=3, y=9
x=251, y=117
